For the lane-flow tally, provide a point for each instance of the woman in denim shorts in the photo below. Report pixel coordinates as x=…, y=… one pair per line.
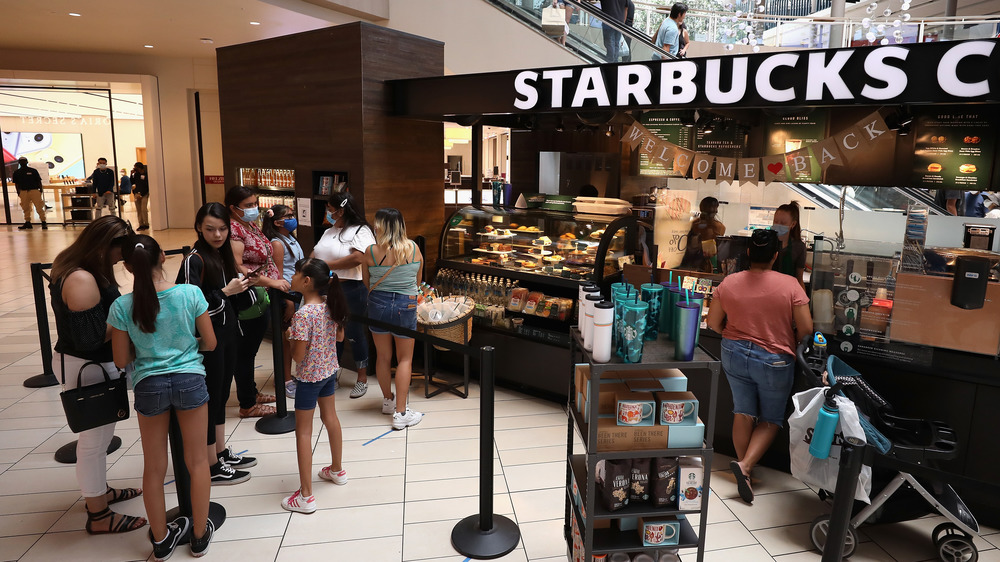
x=159, y=318
x=392, y=267
x=761, y=314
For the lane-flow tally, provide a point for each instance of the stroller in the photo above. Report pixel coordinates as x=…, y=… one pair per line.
x=906, y=440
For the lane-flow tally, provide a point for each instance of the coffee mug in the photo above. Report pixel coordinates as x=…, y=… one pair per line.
x=632, y=413
x=675, y=412
x=656, y=533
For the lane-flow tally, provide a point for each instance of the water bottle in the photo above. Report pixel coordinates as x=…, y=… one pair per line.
x=826, y=425
x=817, y=356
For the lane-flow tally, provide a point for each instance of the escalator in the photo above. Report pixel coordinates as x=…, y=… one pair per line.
x=889, y=199
x=586, y=35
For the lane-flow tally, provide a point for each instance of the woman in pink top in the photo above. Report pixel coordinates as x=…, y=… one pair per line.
x=761, y=314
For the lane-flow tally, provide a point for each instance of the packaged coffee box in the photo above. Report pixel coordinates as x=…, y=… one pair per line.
x=614, y=488
x=664, y=482
x=690, y=476
x=639, y=481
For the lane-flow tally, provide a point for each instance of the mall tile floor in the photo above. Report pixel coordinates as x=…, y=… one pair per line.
x=407, y=488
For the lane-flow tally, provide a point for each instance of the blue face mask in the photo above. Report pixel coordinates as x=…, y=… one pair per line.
x=251, y=214
x=781, y=229
x=329, y=218
x=291, y=224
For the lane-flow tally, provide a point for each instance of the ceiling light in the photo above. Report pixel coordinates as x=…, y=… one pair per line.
x=148, y=46
x=207, y=40
x=255, y=23
x=74, y=14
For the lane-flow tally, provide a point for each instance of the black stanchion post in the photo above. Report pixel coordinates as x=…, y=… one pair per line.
x=47, y=378
x=486, y=535
x=851, y=458
x=182, y=480
x=280, y=422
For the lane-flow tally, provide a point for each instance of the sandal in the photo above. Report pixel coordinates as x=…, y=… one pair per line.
x=265, y=398
x=122, y=524
x=742, y=482
x=124, y=494
x=257, y=411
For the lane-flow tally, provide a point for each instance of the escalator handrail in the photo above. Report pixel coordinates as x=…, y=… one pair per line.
x=628, y=31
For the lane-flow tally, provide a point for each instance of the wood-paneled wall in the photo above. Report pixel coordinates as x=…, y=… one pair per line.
x=318, y=101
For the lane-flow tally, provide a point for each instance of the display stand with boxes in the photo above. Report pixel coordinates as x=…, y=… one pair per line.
x=643, y=474
x=79, y=208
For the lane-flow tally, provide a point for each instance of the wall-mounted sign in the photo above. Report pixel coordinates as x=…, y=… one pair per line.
x=791, y=134
x=953, y=150
x=672, y=126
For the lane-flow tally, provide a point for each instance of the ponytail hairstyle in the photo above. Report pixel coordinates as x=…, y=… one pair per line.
x=326, y=283
x=218, y=263
x=390, y=234
x=352, y=217
x=278, y=212
x=142, y=257
x=794, y=233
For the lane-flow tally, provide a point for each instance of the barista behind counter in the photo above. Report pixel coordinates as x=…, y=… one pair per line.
x=792, y=258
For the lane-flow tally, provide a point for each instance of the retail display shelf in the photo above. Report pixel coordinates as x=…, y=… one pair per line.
x=607, y=541
x=658, y=354
x=578, y=463
x=528, y=277
x=584, y=428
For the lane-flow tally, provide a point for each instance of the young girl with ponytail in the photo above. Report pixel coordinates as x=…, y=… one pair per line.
x=316, y=328
x=159, y=319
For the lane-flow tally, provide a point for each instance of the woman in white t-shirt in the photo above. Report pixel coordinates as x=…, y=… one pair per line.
x=342, y=247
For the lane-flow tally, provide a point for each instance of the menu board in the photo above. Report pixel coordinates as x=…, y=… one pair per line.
x=671, y=126
x=793, y=132
x=953, y=151
x=728, y=141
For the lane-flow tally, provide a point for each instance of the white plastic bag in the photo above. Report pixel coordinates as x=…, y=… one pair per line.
x=822, y=473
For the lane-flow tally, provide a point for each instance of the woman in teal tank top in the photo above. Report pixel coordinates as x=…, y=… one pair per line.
x=393, y=267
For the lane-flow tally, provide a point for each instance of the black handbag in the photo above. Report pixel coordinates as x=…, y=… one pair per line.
x=97, y=404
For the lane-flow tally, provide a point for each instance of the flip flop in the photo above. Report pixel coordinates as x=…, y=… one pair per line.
x=742, y=482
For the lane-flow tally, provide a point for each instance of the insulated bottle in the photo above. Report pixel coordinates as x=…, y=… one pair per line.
x=826, y=425
x=817, y=357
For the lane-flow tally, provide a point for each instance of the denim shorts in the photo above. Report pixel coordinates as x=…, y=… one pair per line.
x=307, y=394
x=761, y=381
x=182, y=391
x=392, y=308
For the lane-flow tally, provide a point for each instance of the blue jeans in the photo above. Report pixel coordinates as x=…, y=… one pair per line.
x=761, y=381
x=357, y=303
x=182, y=391
x=307, y=394
x=392, y=308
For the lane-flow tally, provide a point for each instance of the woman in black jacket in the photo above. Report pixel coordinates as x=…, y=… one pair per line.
x=211, y=266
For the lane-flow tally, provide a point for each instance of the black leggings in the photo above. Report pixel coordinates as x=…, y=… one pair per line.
x=247, y=346
x=220, y=365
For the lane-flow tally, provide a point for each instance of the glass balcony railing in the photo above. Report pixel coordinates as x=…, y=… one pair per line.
x=586, y=31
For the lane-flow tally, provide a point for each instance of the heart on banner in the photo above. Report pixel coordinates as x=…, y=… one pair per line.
x=775, y=167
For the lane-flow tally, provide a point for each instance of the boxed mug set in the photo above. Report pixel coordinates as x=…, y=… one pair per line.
x=655, y=380
x=647, y=420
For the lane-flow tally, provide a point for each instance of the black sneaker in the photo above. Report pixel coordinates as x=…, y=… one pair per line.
x=45, y=225
x=199, y=547
x=236, y=461
x=225, y=475
x=176, y=530
x=25, y=226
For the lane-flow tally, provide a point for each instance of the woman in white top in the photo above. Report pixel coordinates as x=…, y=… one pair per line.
x=342, y=247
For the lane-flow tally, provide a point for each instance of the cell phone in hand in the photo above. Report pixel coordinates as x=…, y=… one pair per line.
x=257, y=271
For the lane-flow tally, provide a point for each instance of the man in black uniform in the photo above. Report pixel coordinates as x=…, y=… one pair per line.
x=615, y=10
x=104, y=180
x=140, y=190
x=28, y=183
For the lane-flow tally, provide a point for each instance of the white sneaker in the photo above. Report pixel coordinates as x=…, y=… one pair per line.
x=299, y=503
x=389, y=406
x=407, y=419
x=338, y=478
x=290, y=387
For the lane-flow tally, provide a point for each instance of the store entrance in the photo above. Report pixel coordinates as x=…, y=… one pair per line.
x=63, y=130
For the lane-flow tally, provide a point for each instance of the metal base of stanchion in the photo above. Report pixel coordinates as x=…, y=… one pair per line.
x=471, y=541
x=41, y=381
x=67, y=453
x=216, y=513
x=273, y=424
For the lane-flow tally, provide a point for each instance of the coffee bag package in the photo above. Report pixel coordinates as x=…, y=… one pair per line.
x=664, y=482
x=639, y=481
x=614, y=489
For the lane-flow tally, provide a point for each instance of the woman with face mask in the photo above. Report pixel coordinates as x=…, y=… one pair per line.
x=254, y=257
x=792, y=257
x=278, y=226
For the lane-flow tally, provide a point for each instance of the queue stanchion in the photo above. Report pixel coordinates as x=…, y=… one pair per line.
x=279, y=422
x=486, y=535
x=851, y=459
x=182, y=480
x=47, y=378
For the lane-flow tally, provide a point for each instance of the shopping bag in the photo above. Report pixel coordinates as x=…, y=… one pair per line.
x=554, y=20
x=822, y=473
x=623, y=50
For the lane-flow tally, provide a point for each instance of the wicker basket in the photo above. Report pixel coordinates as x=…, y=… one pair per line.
x=458, y=330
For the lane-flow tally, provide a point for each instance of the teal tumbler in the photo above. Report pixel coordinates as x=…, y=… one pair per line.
x=633, y=329
x=666, y=313
x=652, y=293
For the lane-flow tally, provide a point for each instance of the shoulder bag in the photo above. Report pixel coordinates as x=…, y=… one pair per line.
x=97, y=404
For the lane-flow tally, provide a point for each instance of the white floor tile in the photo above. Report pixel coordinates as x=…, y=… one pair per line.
x=13, y=548
x=452, y=508
x=344, y=524
x=383, y=549
x=252, y=527
x=522, y=478
x=543, y=539
x=539, y=505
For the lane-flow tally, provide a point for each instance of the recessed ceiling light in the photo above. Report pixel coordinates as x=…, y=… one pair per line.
x=74, y=14
x=148, y=46
x=255, y=23
x=207, y=40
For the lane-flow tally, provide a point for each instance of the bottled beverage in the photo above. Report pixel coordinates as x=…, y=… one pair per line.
x=826, y=425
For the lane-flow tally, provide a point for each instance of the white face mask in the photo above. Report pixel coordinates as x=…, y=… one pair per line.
x=102, y=166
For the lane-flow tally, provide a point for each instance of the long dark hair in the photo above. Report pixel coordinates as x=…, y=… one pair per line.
x=278, y=212
x=352, y=217
x=91, y=251
x=794, y=233
x=218, y=263
x=326, y=283
x=237, y=194
x=142, y=256
x=764, y=244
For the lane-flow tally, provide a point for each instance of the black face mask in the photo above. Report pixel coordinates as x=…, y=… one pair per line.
x=22, y=163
